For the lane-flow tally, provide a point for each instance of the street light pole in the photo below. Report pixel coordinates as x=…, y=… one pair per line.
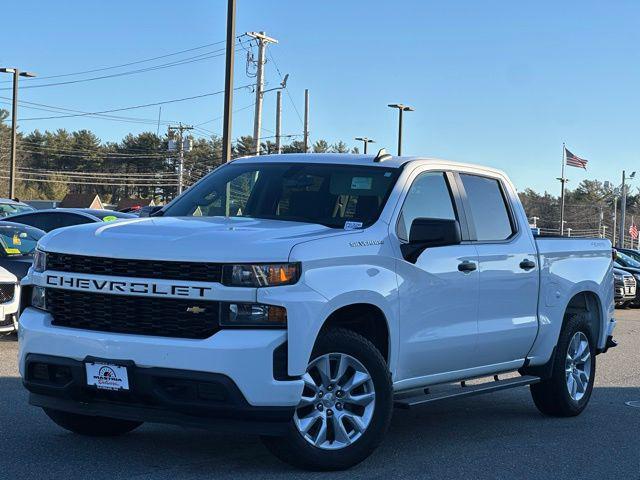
x=401, y=109
x=14, y=125
x=365, y=141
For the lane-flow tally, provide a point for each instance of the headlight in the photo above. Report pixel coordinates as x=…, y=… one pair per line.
x=39, y=261
x=252, y=315
x=264, y=275
x=39, y=298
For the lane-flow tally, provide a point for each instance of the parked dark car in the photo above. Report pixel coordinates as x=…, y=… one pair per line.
x=635, y=254
x=17, y=244
x=624, y=288
x=13, y=207
x=629, y=265
x=48, y=220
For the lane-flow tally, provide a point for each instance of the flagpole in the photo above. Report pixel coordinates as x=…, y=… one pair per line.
x=562, y=181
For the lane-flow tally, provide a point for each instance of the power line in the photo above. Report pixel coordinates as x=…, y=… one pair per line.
x=286, y=88
x=54, y=109
x=73, y=173
x=112, y=67
x=197, y=58
x=154, y=104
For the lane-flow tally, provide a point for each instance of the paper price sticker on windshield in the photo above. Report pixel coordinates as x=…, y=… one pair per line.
x=352, y=225
x=361, y=183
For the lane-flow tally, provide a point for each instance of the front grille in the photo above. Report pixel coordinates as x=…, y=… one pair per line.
x=204, y=272
x=7, y=291
x=165, y=317
x=629, y=281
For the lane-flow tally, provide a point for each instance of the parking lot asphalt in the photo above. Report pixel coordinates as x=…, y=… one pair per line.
x=496, y=436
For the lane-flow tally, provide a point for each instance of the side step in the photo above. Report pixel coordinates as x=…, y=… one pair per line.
x=406, y=402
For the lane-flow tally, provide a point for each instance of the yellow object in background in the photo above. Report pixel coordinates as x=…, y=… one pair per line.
x=16, y=240
x=12, y=251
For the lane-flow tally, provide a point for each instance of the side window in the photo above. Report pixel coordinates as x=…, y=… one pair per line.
x=428, y=197
x=488, y=207
x=38, y=220
x=70, y=219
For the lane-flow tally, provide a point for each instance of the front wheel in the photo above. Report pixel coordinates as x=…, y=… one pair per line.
x=345, y=408
x=567, y=392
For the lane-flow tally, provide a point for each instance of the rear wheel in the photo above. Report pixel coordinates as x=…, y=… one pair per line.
x=345, y=408
x=567, y=392
x=91, y=426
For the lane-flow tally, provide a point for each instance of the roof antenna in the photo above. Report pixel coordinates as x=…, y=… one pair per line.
x=381, y=156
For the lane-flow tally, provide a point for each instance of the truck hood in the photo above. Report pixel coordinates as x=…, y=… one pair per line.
x=190, y=239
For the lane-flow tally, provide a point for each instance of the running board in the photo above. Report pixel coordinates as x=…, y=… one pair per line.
x=464, y=390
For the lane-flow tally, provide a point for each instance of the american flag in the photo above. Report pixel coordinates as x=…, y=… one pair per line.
x=633, y=231
x=574, y=160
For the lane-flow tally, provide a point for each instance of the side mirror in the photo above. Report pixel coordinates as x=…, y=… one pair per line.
x=430, y=232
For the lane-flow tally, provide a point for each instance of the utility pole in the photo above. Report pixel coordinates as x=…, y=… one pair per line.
x=263, y=41
x=228, y=81
x=365, y=141
x=14, y=125
x=401, y=109
x=181, y=129
x=604, y=232
x=306, y=121
x=278, y=121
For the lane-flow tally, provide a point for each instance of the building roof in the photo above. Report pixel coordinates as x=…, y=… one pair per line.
x=135, y=202
x=81, y=200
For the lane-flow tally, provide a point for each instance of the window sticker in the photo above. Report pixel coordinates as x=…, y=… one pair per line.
x=16, y=239
x=361, y=183
x=109, y=218
x=352, y=225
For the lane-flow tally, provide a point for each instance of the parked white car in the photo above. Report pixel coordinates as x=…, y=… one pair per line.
x=302, y=297
x=9, y=301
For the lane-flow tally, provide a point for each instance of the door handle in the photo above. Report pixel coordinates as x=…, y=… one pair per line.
x=527, y=264
x=467, y=266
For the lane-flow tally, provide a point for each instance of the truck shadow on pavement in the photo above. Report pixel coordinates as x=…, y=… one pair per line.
x=494, y=436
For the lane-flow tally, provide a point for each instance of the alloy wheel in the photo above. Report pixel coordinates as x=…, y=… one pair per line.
x=578, y=366
x=337, y=402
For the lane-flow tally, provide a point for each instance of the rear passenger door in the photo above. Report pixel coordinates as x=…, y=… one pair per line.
x=509, y=281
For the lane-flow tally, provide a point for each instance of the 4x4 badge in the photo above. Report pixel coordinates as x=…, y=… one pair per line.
x=196, y=310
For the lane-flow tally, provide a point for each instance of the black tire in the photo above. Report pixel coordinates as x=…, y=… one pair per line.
x=295, y=450
x=551, y=395
x=91, y=426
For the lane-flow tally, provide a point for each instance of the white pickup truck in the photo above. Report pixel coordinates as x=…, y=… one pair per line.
x=303, y=297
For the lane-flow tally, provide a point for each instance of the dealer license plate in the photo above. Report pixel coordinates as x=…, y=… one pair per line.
x=107, y=377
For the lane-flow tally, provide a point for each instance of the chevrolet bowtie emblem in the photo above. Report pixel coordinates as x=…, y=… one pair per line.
x=196, y=310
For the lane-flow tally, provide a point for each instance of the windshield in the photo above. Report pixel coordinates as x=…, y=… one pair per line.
x=7, y=209
x=327, y=194
x=627, y=261
x=18, y=240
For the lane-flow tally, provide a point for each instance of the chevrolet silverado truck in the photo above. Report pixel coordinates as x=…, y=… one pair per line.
x=302, y=297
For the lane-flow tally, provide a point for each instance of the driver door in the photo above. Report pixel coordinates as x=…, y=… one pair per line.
x=439, y=292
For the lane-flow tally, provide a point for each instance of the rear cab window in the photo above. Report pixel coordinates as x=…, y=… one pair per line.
x=491, y=214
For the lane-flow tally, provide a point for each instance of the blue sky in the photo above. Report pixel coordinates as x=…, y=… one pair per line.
x=501, y=83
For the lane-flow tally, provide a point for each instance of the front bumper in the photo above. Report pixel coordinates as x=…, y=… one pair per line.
x=247, y=357
x=181, y=397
